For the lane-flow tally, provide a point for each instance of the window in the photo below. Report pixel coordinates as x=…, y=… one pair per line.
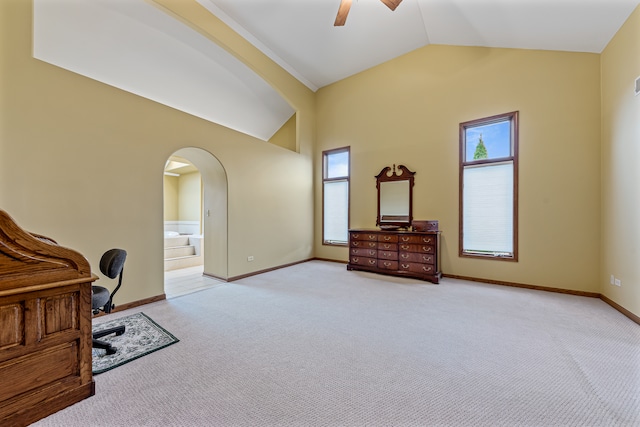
x=489, y=187
x=335, y=196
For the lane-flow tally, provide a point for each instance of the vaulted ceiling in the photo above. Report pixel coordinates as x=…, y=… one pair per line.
x=132, y=45
x=302, y=35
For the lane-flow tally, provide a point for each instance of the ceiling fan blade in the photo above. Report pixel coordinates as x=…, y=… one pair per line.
x=343, y=11
x=391, y=4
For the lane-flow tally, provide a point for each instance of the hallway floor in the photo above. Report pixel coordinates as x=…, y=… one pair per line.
x=187, y=280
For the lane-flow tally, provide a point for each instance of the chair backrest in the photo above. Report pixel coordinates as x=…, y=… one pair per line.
x=112, y=266
x=112, y=262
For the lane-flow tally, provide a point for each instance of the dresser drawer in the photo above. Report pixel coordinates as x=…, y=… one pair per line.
x=362, y=252
x=428, y=239
x=423, y=249
x=387, y=265
x=387, y=246
x=364, y=261
x=416, y=267
x=388, y=238
x=417, y=257
x=372, y=237
x=364, y=244
x=391, y=255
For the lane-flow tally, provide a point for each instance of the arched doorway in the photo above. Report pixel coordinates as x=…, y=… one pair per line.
x=213, y=209
x=183, y=242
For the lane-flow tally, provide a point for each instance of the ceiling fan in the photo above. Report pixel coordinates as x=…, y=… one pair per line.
x=345, y=5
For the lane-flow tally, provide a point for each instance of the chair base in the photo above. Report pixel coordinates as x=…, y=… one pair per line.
x=118, y=330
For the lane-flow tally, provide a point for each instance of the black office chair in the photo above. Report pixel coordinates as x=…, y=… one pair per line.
x=111, y=265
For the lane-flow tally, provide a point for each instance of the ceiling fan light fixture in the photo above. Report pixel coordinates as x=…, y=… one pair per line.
x=343, y=11
x=391, y=4
x=345, y=5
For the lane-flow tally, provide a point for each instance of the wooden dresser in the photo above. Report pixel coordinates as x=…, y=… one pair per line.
x=45, y=326
x=398, y=253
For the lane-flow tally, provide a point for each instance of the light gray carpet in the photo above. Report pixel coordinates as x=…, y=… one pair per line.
x=316, y=345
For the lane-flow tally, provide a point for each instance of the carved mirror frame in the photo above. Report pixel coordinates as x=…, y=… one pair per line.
x=388, y=174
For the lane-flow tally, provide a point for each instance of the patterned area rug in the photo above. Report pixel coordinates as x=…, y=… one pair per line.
x=141, y=337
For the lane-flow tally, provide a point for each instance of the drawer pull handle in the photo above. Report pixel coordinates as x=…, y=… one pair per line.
x=386, y=246
x=426, y=239
x=427, y=269
x=426, y=258
x=372, y=253
x=405, y=266
x=355, y=243
x=356, y=260
x=426, y=248
x=405, y=239
x=387, y=264
x=372, y=245
x=355, y=236
x=405, y=247
x=372, y=237
x=372, y=261
x=405, y=256
x=387, y=238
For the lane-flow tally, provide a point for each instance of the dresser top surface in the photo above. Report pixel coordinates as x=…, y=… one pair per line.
x=377, y=230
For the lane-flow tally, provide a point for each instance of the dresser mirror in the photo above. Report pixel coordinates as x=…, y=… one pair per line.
x=395, y=197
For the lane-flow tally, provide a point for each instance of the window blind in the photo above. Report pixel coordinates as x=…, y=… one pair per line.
x=336, y=211
x=488, y=209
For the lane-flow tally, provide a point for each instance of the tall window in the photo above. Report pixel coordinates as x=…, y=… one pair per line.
x=335, y=196
x=489, y=187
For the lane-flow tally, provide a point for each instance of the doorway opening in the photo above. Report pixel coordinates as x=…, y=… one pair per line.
x=183, y=245
x=195, y=222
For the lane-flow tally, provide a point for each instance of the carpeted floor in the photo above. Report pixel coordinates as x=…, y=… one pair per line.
x=316, y=345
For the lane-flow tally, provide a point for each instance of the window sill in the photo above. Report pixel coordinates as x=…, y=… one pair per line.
x=497, y=257
x=331, y=243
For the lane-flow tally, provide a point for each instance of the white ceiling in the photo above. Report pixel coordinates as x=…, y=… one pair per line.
x=301, y=33
x=134, y=46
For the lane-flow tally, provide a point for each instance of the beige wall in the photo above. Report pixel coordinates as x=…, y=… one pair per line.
x=407, y=111
x=183, y=197
x=621, y=166
x=83, y=162
x=190, y=197
x=285, y=137
x=171, y=197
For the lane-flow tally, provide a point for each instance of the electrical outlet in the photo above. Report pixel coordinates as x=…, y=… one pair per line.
x=250, y=258
x=618, y=282
x=612, y=280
